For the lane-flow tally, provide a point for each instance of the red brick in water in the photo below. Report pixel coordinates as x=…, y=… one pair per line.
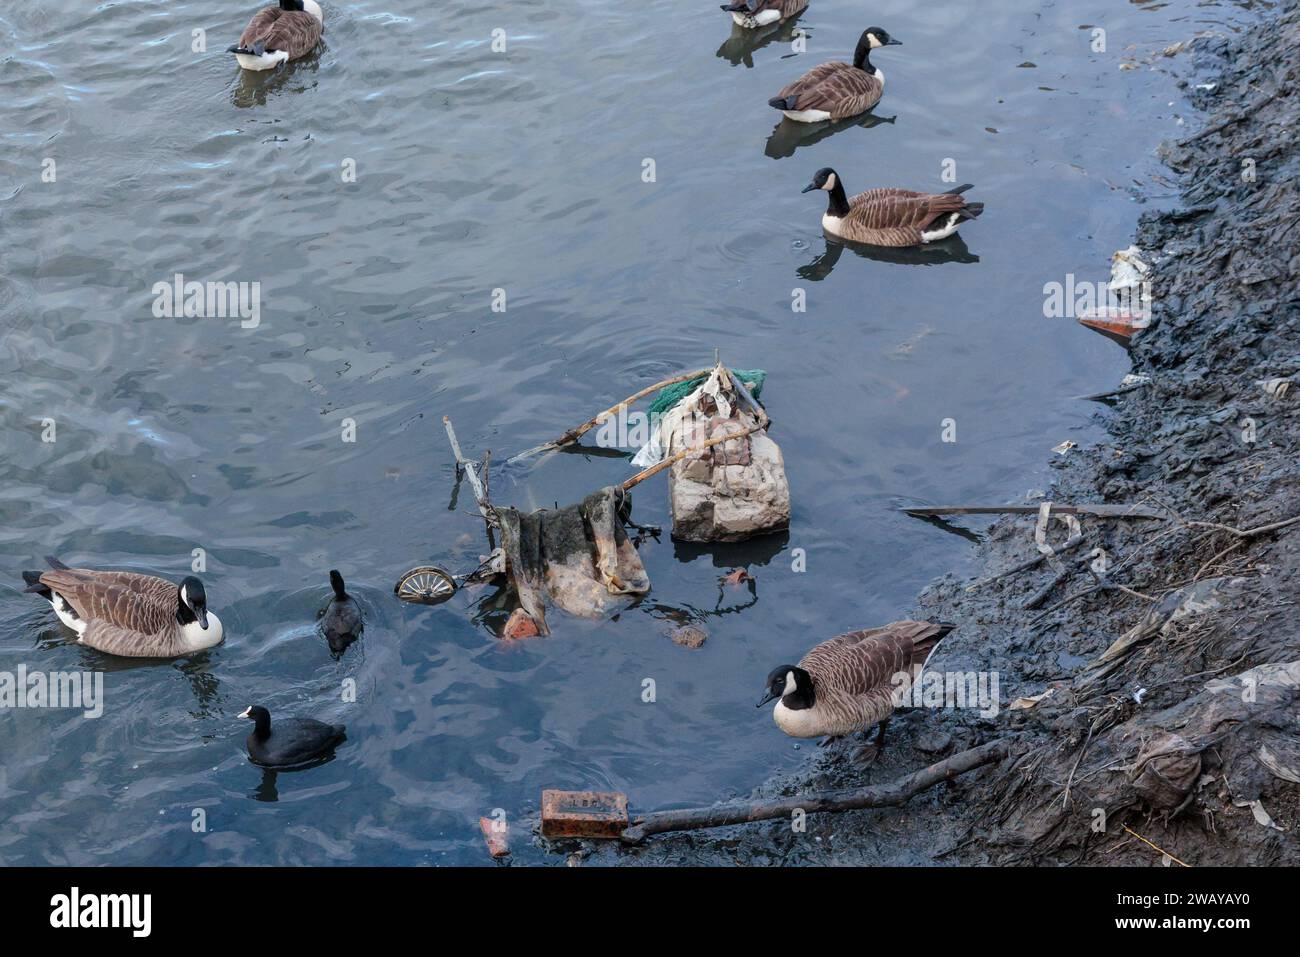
x=601, y=814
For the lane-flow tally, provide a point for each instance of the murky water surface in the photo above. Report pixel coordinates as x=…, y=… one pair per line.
x=519, y=171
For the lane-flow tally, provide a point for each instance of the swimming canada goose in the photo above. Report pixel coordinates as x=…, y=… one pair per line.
x=759, y=13
x=851, y=682
x=341, y=621
x=122, y=613
x=294, y=740
x=836, y=90
x=276, y=35
x=892, y=217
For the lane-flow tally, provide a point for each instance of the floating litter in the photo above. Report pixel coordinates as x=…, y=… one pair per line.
x=426, y=585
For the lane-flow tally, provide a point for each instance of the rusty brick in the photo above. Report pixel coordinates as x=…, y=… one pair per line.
x=498, y=841
x=520, y=625
x=600, y=814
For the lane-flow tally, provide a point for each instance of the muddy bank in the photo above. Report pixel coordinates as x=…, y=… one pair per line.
x=1171, y=667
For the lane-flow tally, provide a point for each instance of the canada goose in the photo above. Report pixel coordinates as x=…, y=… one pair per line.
x=892, y=217
x=836, y=90
x=851, y=682
x=276, y=35
x=122, y=613
x=294, y=740
x=341, y=622
x=759, y=13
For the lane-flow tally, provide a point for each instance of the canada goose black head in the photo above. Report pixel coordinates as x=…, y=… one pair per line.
x=192, y=602
x=292, y=5
x=825, y=178
x=873, y=38
x=792, y=685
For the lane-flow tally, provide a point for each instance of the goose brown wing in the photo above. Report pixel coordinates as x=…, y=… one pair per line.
x=140, y=603
x=896, y=217
x=860, y=662
x=130, y=643
x=831, y=86
x=293, y=31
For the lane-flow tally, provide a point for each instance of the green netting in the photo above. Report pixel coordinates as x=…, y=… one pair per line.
x=668, y=397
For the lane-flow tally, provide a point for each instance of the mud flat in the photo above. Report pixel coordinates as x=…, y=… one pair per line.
x=1160, y=685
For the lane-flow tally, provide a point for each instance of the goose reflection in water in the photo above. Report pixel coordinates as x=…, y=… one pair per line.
x=739, y=48
x=788, y=135
x=950, y=250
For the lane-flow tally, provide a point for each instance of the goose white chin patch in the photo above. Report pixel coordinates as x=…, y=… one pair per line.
x=790, y=686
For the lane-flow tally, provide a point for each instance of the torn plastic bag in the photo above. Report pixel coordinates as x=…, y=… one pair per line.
x=577, y=558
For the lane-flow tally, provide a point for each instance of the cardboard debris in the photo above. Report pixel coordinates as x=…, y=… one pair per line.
x=1277, y=387
x=1028, y=701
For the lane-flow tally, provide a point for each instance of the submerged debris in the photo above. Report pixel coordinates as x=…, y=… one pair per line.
x=578, y=558
x=689, y=636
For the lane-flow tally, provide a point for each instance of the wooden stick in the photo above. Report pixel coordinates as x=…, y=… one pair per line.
x=1221, y=126
x=571, y=436
x=1112, y=393
x=1157, y=847
x=1097, y=511
x=656, y=469
x=879, y=795
x=1249, y=532
x=1024, y=566
x=471, y=473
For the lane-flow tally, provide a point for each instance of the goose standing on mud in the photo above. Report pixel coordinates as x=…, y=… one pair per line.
x=851, y=682
x=759, y=13
x=276, y=35
x=892, y=217
x=126, y=614
x=837, y=90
